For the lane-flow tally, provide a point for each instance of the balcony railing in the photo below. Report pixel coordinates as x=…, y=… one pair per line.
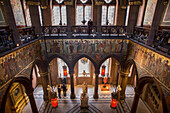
x=162, y=41
x=54, y=30
x=27, y=34
x=83, y=30
x=113, y=30
x=6, y=40
x=141, y=34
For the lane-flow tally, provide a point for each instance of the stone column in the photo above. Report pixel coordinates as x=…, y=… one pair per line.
x=96, y=96
x=32, y=102
x=70, y=19
x=35, y=18
x=133, y=16
x=114, y=71
x=44, y=79
x=99, y=19
x=47, y=16
x=121, y=16
x=123, y=84
x=135, y=101
x=11, y=20
x=72, y=96
x=76, y=74
x=156, y=20
x=95, y=15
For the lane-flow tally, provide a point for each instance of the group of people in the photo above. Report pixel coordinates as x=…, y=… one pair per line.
x=64, y=87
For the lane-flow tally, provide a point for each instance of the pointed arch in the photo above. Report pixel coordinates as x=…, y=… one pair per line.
x=61, y=57
x=105, y=58
x=139, y=88
x=86, y=56
x=29, y=91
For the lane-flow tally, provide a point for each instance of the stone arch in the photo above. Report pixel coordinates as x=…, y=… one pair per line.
x=61, y=57
x=128, y=65
x=81, y=56
x=29, y=91
x=138, y=91
x=105, y=58
x=35, y=63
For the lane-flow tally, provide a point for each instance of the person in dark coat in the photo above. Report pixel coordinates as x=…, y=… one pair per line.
x=59, y=91
x=64, y=90
x=90, y=24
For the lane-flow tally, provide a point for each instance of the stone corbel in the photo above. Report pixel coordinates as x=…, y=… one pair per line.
x=123, y=74
x=68, y=2
x=33, y=3
x=99, y=2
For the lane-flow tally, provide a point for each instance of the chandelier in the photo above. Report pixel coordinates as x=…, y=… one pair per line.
x=84, y=60
x=59, y=1
x=107, y=1
x=83, y=1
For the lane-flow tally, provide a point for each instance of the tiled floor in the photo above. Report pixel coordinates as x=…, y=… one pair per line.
x=101, y=105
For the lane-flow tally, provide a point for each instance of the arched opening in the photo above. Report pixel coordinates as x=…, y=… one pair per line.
x=56, y=71
x=35, y=76
x=16, y=95
x=108, y=12
x=59, y=15
x=154, y=92
x=84, y=11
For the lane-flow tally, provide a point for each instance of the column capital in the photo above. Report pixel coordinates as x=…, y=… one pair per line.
x=44, y=74
x=124, y=74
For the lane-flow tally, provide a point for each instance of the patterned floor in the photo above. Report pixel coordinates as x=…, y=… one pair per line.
x=101, y=105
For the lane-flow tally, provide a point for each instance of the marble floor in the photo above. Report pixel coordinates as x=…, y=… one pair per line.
x=101, y=105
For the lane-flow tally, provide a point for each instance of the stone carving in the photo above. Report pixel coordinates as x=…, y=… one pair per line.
x=84, y=96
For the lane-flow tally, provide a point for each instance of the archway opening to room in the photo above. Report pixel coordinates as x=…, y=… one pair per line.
x=17, y=94
x=57, y=67
x=35, y=76
x=108, y=74
x=84, y=11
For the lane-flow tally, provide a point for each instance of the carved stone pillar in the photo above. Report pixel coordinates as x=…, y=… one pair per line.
x=133, y=16
x=76, y=74
x=156, y=20
x=11, y=20
x=32, y=102
x=121, y=16
x=72, y=96
x=123, y=84
x=47, y=15
x=96, y=96
x=35, y=18
x=135, y=101
x=44, y=79
x=99, y=19
x=114, y=70
x=70, y=19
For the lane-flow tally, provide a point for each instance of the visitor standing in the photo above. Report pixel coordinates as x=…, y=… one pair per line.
x=59, y=91
x=90, y=24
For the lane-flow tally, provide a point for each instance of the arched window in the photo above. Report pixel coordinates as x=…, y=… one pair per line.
x=83, y=12
x=61, y=63
x=84, y=67
x=107, y=68
x=59, y=16
x=108, y=12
